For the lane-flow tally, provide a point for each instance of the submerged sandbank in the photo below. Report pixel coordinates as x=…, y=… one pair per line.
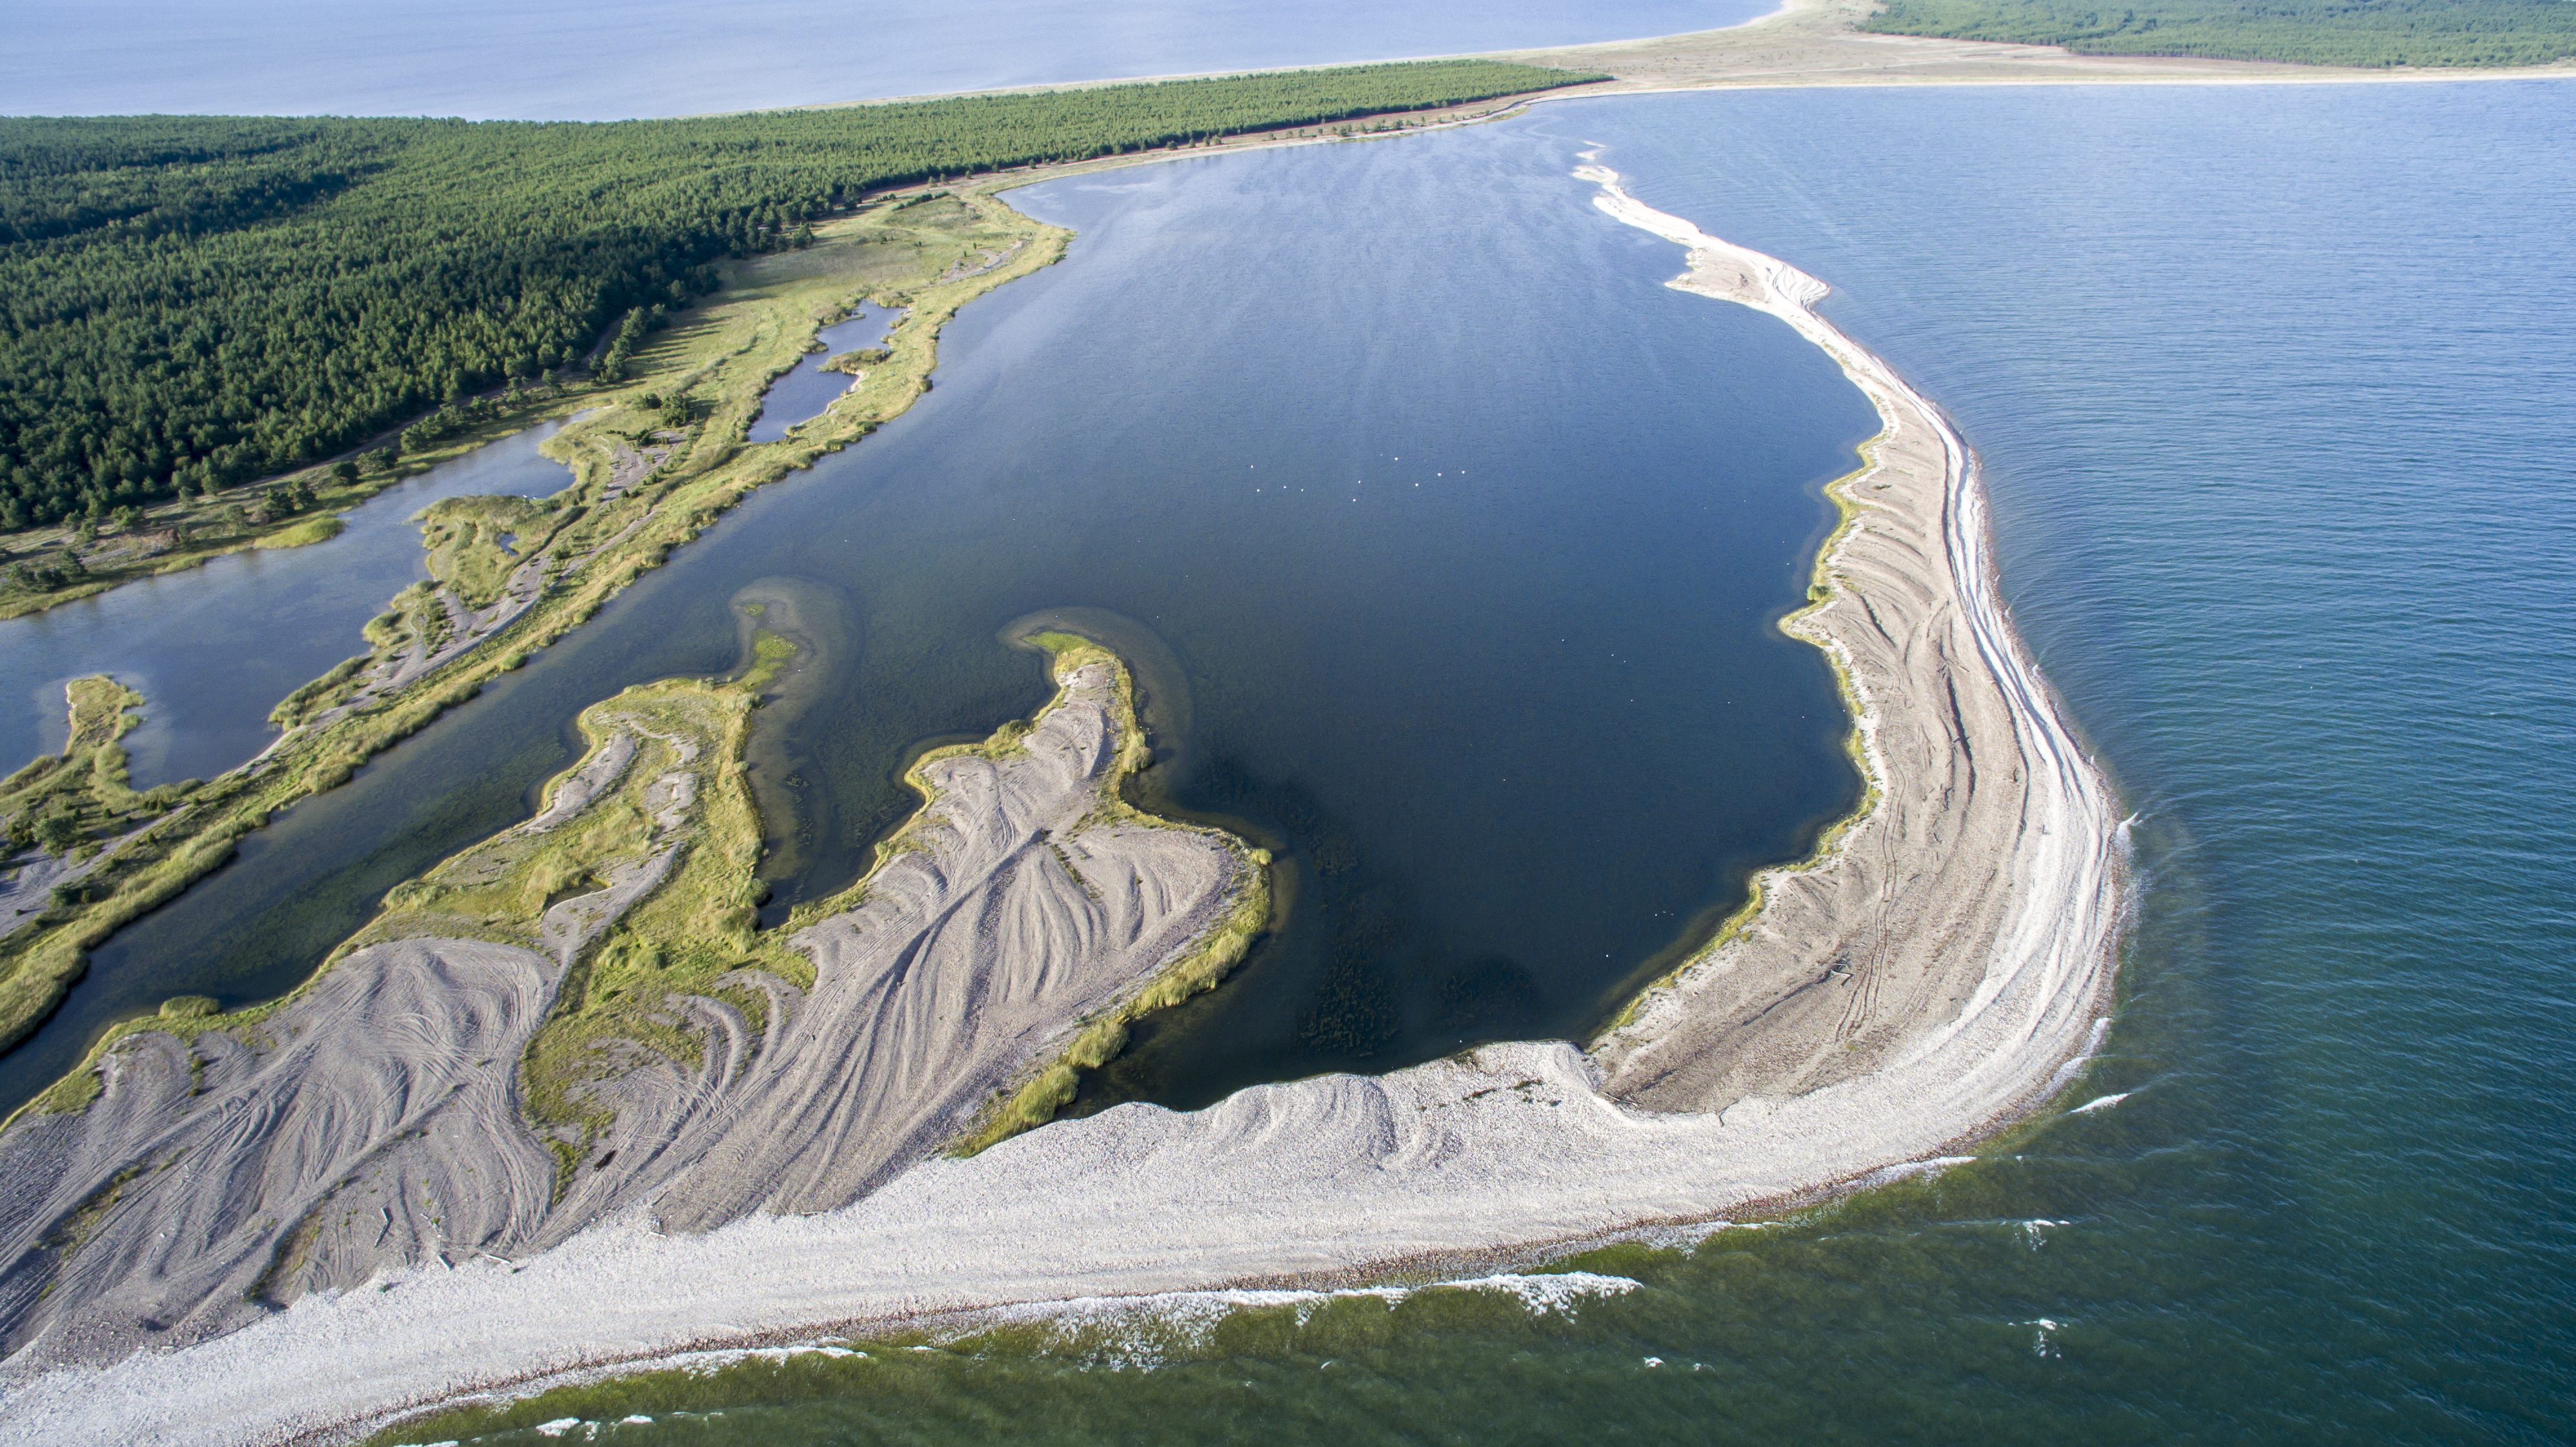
x=1937, y=968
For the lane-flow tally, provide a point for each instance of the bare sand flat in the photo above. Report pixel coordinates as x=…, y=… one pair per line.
x=1943, y=964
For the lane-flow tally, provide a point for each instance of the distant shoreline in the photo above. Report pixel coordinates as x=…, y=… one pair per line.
x=1813, y=43
x=1808, y=44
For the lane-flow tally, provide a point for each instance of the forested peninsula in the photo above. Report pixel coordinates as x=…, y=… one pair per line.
x=189, y=304
x=2309, y=32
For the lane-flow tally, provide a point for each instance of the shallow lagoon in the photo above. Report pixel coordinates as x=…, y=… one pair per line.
x=2270, y=384
x=214, y=648
x=1451, y=540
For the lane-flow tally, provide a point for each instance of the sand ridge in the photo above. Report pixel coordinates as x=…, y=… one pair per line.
x=2009, y=897
x=373, y=1121
x=969, y=957
x=1816, y=43
x=1989, y=846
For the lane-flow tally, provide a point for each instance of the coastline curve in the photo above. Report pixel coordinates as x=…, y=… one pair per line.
x=1497, y=1153
x=1985, y=858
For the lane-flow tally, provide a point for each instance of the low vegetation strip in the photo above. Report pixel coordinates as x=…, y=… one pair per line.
x=191, y=303
x=2310, y=32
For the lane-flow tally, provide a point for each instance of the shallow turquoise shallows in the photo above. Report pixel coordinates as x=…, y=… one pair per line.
x=2274, y=387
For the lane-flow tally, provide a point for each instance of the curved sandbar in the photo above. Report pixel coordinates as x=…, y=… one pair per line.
x=1956, y=937
x=1937, y=967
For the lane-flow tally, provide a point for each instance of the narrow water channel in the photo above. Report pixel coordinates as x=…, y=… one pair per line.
x=213, y=649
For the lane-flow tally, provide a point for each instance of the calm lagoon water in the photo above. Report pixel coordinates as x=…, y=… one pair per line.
x=213, y=649
x=1450, y=542
x=573, y=61
x=801, y=395
x=2273, y=389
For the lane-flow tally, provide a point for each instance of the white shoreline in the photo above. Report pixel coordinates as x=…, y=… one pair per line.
x=1323, y=1179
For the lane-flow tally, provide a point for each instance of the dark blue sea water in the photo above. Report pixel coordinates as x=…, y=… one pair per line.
x=2273, y=386
x=573, y=61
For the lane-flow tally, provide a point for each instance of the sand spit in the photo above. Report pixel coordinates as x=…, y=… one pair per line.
x=1988, y=871
x=1016, y=914
x=1957, y=939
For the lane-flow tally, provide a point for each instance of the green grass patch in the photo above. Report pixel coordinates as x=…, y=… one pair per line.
x=304, y=534
x=475, y=542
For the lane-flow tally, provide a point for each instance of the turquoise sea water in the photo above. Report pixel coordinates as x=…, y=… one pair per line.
x=2273, y=387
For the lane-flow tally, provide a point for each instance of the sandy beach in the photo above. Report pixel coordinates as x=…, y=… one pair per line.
x=1944, y=964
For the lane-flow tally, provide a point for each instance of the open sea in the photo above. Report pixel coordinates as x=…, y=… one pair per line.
x=577, y=60
x=2273, y=388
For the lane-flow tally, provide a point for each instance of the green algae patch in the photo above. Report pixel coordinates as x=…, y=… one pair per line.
x=770, y=655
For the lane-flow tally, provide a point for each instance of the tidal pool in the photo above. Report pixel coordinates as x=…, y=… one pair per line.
x=802, y=394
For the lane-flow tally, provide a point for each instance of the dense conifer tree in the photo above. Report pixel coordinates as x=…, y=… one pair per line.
x=197, y=302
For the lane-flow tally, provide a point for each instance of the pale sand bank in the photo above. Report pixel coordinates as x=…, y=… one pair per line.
x=374, y=1120
x=1945, y=964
